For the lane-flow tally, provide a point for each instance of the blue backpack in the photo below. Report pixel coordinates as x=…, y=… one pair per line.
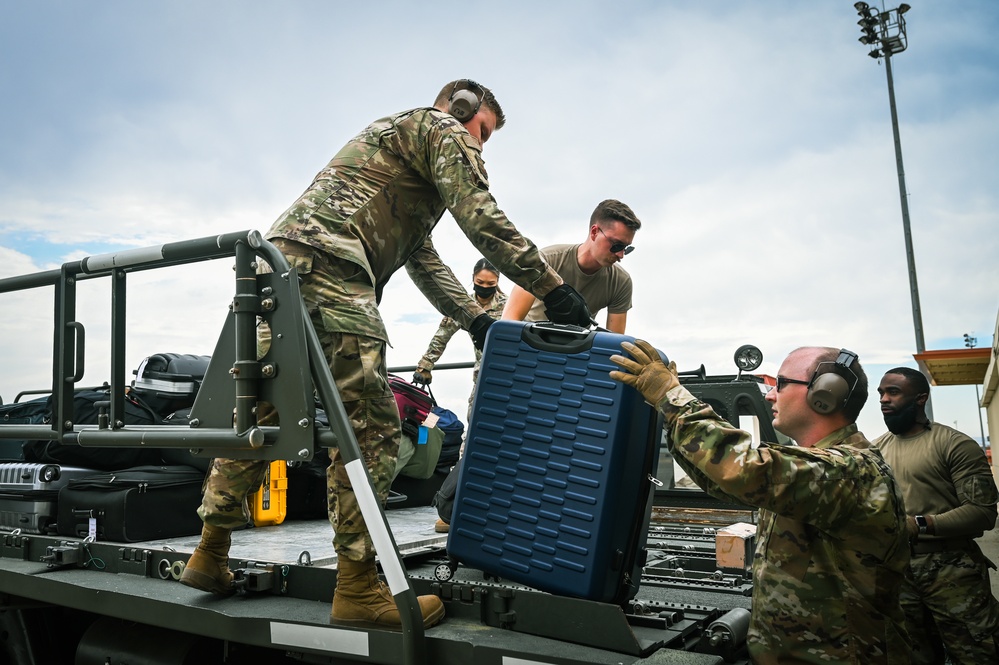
x=453, y=430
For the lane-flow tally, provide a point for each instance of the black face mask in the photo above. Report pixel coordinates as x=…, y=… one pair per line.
x=902, y=420
x=484, y=291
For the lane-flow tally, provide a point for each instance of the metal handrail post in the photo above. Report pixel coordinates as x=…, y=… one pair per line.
x=414, y=640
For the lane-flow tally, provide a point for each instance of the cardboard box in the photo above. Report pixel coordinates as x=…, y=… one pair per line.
x=735, y=546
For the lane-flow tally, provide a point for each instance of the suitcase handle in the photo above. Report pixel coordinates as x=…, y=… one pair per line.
x=81, y=354
x=557, y=337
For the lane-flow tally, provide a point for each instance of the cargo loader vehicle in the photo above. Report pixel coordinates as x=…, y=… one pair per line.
x=86, y=599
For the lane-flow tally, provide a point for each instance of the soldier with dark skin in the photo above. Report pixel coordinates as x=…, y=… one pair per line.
x=950, y=497
x=832, y=544
x=369, y=212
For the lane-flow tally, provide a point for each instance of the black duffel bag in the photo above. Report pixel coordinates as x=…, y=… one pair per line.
x=85, y=412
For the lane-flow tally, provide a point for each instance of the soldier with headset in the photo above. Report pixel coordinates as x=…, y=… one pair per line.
x=831, y=542
x=369, y=212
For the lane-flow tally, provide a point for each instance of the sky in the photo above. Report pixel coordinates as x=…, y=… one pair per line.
x=753, y=138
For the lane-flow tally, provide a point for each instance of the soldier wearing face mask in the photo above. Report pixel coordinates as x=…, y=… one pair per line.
x=486, y=291
x=950, y=498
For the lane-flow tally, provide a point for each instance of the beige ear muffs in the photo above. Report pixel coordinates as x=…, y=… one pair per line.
x=465, y=101
x=828, y=393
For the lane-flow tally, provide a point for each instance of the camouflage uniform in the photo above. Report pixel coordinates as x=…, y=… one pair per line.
x=367, y=213
x=947, y=597
x=831, y=545
x=446, y=331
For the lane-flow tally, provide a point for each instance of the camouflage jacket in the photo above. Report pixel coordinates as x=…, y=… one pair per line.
x=449, y=327
x=377, y=201
x=831, y=547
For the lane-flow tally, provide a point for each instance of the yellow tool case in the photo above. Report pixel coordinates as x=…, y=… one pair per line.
x=269, y=504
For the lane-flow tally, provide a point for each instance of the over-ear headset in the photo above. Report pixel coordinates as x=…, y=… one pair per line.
x=829, y=392
x=465, y=100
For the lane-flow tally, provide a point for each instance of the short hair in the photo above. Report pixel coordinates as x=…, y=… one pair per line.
x=612, y=210
x=488, y=99
x=858, y=397
x=914, y=376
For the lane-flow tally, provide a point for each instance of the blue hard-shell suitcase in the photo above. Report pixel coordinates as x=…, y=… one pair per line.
x=555, y=489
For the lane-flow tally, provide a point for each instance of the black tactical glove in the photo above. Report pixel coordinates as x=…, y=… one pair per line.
x=563, y=304
x=478, y=329
x=422, y=377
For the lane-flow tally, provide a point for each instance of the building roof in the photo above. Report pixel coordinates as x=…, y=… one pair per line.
x=955, y=367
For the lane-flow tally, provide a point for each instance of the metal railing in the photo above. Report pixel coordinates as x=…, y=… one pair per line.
x=289, y=376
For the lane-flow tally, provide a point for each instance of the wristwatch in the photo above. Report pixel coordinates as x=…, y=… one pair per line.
x=922, y=524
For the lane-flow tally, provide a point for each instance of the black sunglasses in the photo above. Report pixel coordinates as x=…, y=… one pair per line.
x=783, y=381
x=617, y=246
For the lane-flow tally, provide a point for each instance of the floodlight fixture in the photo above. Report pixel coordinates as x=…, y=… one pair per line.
x=884, y=31
x=748, y=357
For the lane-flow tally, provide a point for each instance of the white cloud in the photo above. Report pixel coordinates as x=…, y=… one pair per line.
x=755, y=143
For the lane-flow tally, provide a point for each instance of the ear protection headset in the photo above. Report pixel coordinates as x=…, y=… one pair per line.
x=465, y=101
x=829, y=392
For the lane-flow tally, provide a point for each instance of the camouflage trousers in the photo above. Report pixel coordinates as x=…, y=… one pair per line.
x=948, y=603
x=359, y=369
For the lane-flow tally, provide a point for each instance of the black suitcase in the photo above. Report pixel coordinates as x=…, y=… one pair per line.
x=307, y=488
x=29, y=492
x=555, y=487
x=170, y=381
x=132, y=505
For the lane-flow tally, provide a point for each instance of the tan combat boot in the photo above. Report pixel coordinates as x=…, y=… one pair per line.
x=208, y=567
x=362, y=599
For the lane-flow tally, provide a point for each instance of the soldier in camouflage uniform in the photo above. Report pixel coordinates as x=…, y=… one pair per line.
x=485, y=285
x=486, y=291
x=951, y=498
x=831, y=541
x=369, y=212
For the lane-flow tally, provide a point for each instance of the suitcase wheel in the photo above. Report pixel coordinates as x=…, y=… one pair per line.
x=444, y=571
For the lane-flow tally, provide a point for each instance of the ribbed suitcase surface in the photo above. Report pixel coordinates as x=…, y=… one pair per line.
x=554, y=488
x=29, y=492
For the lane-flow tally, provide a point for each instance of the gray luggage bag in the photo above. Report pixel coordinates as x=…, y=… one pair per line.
x=29, y=493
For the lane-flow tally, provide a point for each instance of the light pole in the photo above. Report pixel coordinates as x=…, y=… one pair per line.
x=970, y=342
x=884, y=33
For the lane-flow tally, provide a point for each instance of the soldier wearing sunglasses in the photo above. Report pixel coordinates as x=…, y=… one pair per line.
x=592, y=268
x=831, y=543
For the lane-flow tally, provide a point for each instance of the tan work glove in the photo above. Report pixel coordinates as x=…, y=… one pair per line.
x=646, y=373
